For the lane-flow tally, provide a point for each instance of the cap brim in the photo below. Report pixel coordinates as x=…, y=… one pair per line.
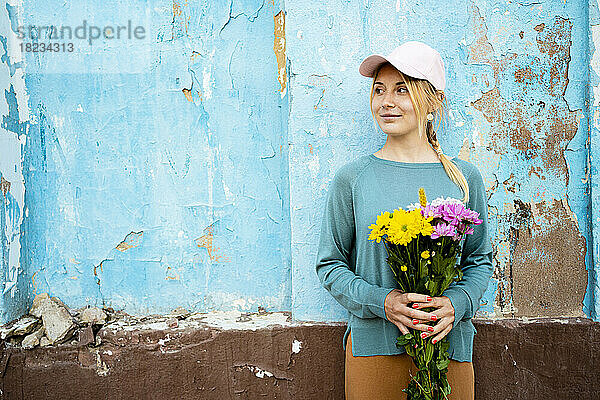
x=369, y=65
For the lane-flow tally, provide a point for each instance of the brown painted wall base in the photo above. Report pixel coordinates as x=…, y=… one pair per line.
x=543, y=359
x=540, y=359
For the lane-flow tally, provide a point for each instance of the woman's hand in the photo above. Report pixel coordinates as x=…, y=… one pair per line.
x=400, y=314
x=444, y=315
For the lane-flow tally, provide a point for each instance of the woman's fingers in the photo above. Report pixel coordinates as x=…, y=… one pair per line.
x=418, y=325
x=441, y=329
x=402, y=328
x=423, y=327
x=416, y=319
x=416, y=297
x=419, y=301
x=436, y=302
x=405, y=318
x=441, y=335
x=421, y=315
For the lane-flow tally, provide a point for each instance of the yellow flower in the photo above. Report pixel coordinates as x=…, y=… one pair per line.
x=380, y=227
x=425, y=254
x=403, y=268
x=400, y=226
x=426, y=229
x=422, y=197
x=383, y=219
x=403, y=227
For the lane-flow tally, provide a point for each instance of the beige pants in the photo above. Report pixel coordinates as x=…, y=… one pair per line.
x=384, y=377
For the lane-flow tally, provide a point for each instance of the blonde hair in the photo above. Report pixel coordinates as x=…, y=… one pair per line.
x=424, y=96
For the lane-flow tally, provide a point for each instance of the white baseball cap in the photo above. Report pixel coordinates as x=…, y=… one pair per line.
x=412, y=58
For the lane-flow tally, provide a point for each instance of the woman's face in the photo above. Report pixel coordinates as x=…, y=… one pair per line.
x=391, y=103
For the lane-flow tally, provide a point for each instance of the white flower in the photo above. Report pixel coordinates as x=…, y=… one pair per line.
x=413, y=206
x=447, y=200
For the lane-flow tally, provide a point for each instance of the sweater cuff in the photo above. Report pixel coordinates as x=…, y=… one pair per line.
x=378, y=305
x=460, y=301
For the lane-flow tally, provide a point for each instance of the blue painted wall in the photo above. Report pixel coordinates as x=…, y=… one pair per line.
x=167, y=186
x=190, y=167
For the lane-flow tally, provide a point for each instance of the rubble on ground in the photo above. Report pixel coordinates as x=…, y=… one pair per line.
x=23, y=326
x=59, y=325
x=51, y=322
x=92, y=315
x=32, y=340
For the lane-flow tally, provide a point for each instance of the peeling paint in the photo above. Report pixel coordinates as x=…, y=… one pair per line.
x=14, y=111
x=4, y=186
x=206, y=241
x=188, y=95
x=279, y=49
x=592, y=299
x=101, y=366
x=533, y=126
x=225, y=320
x=132, y=240
x=131, y=181
x=296, y=346
x=260, y=373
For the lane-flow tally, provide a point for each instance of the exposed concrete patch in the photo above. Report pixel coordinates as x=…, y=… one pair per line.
x=224, y=320
x=549, y=246
x=532, y=127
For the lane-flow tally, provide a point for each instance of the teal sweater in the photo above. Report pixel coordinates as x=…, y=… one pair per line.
x=354, y=270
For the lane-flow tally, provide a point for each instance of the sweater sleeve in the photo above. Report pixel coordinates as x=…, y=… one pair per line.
x=476, y=257
x=333, y=266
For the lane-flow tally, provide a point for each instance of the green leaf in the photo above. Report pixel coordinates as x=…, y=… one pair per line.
x=445, y=345
x=441, y=364
x=446, y=388
x=410, y=350
x=402, y=340
x=428, y=352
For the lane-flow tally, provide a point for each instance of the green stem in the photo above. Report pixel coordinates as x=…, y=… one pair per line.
x=414, y=282
x=419, y=272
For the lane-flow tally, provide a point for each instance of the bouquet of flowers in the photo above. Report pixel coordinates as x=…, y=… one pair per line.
x=423, y=246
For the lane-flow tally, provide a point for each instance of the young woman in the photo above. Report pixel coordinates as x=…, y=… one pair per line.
x=407, y=95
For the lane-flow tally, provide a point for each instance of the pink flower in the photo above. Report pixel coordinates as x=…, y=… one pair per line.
x=443, y=229
x=472, y=216
x=431, y=211
x=463, y=229
x=453, y=213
